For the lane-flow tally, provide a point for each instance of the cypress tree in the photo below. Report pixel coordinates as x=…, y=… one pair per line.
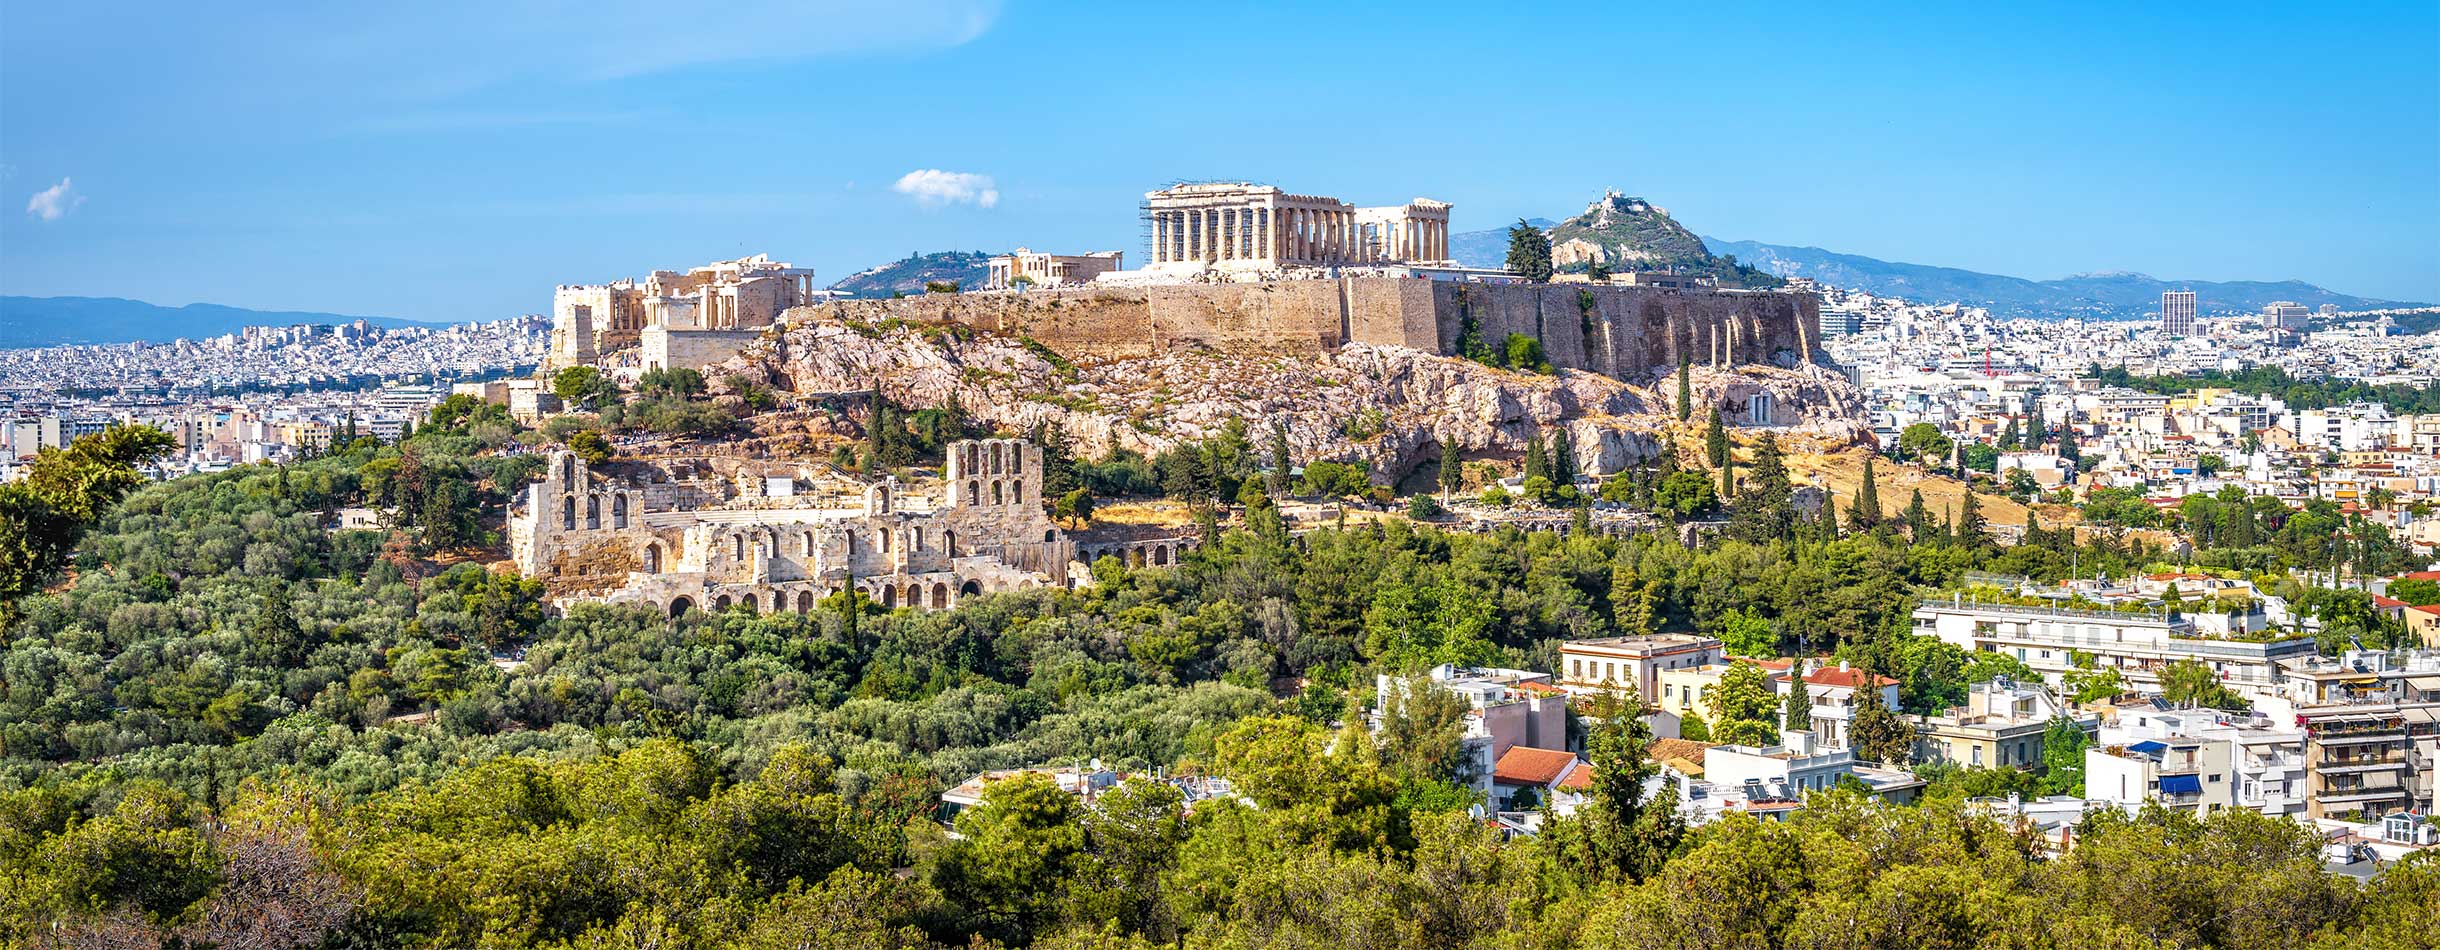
x=2034, y=436
x=1715, y=439
x=1685, y=394
x=1728, y=480
x=1865, y=513
x=1279, y=456
x=1799, y=714
x=1452, y=469
x=1537, y=458
x=1562, y=458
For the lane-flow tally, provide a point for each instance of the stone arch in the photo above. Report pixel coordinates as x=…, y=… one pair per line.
x=885, y=539
x=974, y=492
x=1016, y=491
x=995, y=493
x=593, y=512
x=567, y=513
x=749, y=603
x=808, y=544
x=1049, y=535
x=721, y=602
x=804, y=601
x=567, y=468
x=889, y=596
x=1160, y=556
x=914, y=594
x=999, y=458
x=678, y=606
x=618, y=512
x=737, y=542
x=652, y=558
x=1016, y=461
x=850, y=535
x=948, y=540
x=940, y=595
x=969, y=589
x=918, y=540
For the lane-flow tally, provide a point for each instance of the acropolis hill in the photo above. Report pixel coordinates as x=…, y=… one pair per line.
x=1235, y=268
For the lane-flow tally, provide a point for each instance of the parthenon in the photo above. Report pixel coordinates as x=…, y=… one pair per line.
x=1262, y=227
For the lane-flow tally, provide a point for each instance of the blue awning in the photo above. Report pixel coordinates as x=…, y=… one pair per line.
x=2149, y=747
x=2180, y=784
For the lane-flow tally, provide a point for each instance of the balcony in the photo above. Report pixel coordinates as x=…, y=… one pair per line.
x=2360, y=768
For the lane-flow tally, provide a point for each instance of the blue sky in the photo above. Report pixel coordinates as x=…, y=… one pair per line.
x=454, y=160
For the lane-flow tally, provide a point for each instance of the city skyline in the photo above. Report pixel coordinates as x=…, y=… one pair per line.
x=449, y=185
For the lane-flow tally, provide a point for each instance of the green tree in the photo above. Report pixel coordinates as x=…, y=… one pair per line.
x=1922, y=442
x=2416, y=592
x=1865, y=513
x=589, y=445
x=1715, y=440
x=1005, y=872
x=1765, y=504
x=1685, y=390
x=1622, y=835
x=1798, y=713
x=2191, y=683
x=64, y=490
x=1452, y=469
x=1745, y=633
x=2063, y=745
x=1743, y=711
x=1877, y=732
x=1529, y=252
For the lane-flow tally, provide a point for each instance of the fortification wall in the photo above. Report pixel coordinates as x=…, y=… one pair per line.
x=1617, y=331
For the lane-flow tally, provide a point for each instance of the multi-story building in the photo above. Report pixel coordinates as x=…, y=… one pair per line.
x=1505, y=710
x=1029, y=268
x=2137, y=645
x=2000, y=726
x=2182, y=773
x=1612, y=664
x=2177, y=312
x=1832, y=693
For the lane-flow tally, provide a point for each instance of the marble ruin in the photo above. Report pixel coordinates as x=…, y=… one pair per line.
x=1023, y=267
x=1245, y=226
x=590, y=322
x=711, y=533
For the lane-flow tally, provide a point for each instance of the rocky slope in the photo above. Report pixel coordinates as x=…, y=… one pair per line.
x=1387, y=406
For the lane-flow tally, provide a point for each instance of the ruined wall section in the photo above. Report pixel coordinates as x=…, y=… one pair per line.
x=1616, y=331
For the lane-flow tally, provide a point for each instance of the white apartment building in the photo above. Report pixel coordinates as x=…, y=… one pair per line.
x=2184, y=774
x=1610, y=664
x=2137, y=645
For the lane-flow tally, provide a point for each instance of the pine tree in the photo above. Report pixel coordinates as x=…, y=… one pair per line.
x=1562, y=458
x=1529, y=252
x=1918, y=519
x=1715, y=440
x=1865, y=513
x=1799, y=714
x=1876, y=733
x=1685, y=395
x=2008, y=437
x=1766, y=508
x=1971, y=531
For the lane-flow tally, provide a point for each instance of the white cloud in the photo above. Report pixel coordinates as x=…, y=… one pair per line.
x=933, y=188
x=54, y=203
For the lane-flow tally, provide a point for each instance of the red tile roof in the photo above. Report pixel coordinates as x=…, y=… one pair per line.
x=1523, y=765
x=1578, y=780
x=2385, y=602
x=1833, y=676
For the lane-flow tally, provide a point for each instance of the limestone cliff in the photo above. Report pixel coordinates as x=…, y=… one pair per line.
x=1386, y=405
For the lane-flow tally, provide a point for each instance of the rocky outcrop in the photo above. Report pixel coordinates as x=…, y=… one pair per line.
x=1389, y=406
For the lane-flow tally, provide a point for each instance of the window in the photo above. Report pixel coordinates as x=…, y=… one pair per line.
x=1978, y=755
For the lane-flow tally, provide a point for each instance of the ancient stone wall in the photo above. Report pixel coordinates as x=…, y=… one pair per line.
x=1617, y=331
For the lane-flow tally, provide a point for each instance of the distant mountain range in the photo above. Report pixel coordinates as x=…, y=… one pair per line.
x=2103, y=296
x=908, y=275
x=59, y=321
x=2107, y=295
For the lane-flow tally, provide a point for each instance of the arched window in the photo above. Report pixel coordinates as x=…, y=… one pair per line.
x=808, y=544
x=969, y=589
x=593, y=512
x=999, y=458
x=652, y=559
x=1160, y=557
x=885, y=540
x=1016, y=461
x=889, y=596
x=948, y=541
x=680, y=605
x=567, y=513
x=738, y=542
x=974, y=493
x=618, y=512
x=1049, y=535
x=940, y=596
x=567, y=468
x=995, y=493
x=749, y=604
x=918, y=540
x=722, y=603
